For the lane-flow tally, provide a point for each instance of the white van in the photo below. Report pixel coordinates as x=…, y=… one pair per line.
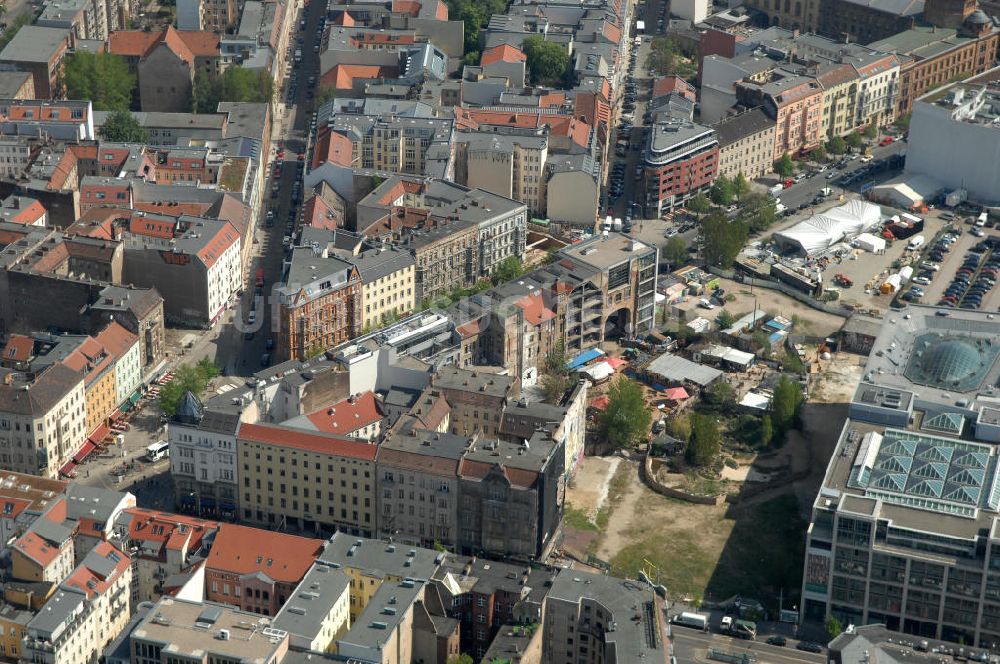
x=981, y=220
x=916, y=242
x=704, y=303
x=158, y=450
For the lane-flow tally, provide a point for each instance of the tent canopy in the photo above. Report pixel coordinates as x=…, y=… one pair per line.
x=599, y=371
x=820, y=232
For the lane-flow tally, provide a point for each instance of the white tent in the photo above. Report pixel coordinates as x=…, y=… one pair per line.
x=599, y=371
x=870, y=242
x=822, y=231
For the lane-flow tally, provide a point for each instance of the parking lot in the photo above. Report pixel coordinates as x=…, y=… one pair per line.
x=953, y=261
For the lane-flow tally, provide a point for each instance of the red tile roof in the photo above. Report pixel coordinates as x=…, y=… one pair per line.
x=310, y=442
x=335, y=148
x=346, y=416
x=213, y=250
x=502, y=53
x=117, y=339
x=19, y=348
x=342, y=76
x=535, y=311
x=242, y=550
x=175, y=531
x=186, y=44
x=90, y=358
x=559, y=125
x=92, y=582
x=34, y=547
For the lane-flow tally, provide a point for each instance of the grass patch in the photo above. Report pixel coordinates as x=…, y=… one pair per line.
x=577, y=519
x=684, y=566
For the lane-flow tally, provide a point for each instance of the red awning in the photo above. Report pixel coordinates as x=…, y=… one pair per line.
x=677, y=393
x=84, y=450
x=99, y=434
x=115, y=415
x=69, y=470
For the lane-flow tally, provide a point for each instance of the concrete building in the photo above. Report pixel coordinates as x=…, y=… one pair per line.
x=42, y=427
x=624, y=620
x=313, y=482
x=681, y=159
x=85, y=19
x=40, y=51
x=203, y=457
x=389, y=144
x=388, y=285
x=572, y=188
x=695, y=11
x=139, y=310
x=256, y=570
x=319, y=303
x=510, y=164
x=177, y=627
x=318, y=612
x=953, y=134
x=903, y=529
x=795, y=103
x=476, y=399
x=43, y=554
x=88, y=611
x=746, y=144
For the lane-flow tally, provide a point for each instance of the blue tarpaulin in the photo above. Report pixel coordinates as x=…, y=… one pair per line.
x=583, y=358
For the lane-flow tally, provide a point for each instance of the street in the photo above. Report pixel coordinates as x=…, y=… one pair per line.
x=690, y=645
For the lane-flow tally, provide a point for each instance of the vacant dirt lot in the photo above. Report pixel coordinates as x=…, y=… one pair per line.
x=837, y=379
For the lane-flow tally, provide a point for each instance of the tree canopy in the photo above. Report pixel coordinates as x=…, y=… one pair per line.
x=509, y=269
x=187, y=377
x=555, y=375
x=705, y=441
x=547, y=61
x=724, y=320
x=741, y=186
x=818, y=154
x=675, y=251
x=665, y=59
x=723, y=191
x=723, y=239
x=699, y=204
x=474, y=14
x=102, y=78
x=784, y=166
x=836, y=145
x=235, y=84
x=871, y=132
x=786, y=401
x=122, y=127
x=855, y=140
x=759, y=212
x=626, y=421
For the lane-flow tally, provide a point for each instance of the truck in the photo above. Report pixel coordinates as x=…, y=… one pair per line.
x=741, y=629
x=916, y=242
x=776, y=189
x=694, y=620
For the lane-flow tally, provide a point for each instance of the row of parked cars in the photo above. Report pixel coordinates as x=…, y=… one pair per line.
x=973, y=281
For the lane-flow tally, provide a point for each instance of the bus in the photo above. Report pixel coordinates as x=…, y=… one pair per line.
x=695, y=620
x=158, y=450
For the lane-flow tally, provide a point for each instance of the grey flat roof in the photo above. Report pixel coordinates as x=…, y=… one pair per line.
x=675, y=368
x=304, y=612
x=380, y=558
x=604, y=252
x=385, y=610
x=33, y=43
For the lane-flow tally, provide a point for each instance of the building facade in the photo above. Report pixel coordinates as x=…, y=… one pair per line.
x=203, y=459
x=746, y=144
x=680, y=161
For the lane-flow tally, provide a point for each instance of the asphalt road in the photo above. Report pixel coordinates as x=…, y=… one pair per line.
x=692, y=646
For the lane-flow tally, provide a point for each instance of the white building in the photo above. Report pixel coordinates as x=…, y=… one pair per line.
x=955, y=140
x=695, y=11
x=42, y=422
x=124, y=348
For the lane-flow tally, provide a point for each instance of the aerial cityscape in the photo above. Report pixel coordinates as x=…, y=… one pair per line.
x=499, y=331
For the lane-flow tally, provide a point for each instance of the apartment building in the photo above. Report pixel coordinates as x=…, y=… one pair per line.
x=161, y=545
x=510, y=163
x=308, y=481
x=390, y=144
x=933, y=57
x=794, y=102
x=477, y=399
x=123, y=347
x=15, y=155
x=359, y=416
x=623, y=621
x=511, y=496
x=681, y=159
x=216, y=632
x=43, y=554
x=203, y=457
x=318, y=612
x=90, y=609
x=418, y=493
x=84, y=19
x=903, y=530
x=445, y=258
x=40, y=51
x=256, y=570
x=42, y=427
x=319, y=303
x=388, y=285
x=92, y=361
x=746, y=144
x=28, y=496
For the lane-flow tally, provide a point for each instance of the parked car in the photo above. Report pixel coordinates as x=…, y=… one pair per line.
x=776, y=640
x=809, y=646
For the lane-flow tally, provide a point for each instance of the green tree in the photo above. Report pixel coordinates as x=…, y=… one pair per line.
x=102, y=78
x=723, y=239
x=871, y=132
x=741, y=186
x=662, y=56
x=854, y=140
x=509, y=269
x=705, y=441
x=680, y=427
x=547, y=61
x=759, y=212
x=723, y=191
x=766, y=431
x=720, y=394
x=833, y=627
x=786, y=400
x=699, y=204
x=474, y=14
x=724, y=320
x=471, y=58
x=324, y=94
x=555, y=376
x=626, y=421
x=818, y=154
x=784, y=166
x=235, y=84
x=903, y=122
x=675, y=252
x=187, y=377
x=461, y=659
x=836, y=145
x=122, y=127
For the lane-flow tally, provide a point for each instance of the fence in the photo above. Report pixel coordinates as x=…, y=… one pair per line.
x=836, y=310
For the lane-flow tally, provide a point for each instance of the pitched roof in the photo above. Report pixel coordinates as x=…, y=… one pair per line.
x=346, y=416
x=116, y=339
x=36, y=548
x=99, y=568
x=186, y=44
x=19, y=348
x=310, y=442
x=242, y=550
x=502, y=53
x=535, y=311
